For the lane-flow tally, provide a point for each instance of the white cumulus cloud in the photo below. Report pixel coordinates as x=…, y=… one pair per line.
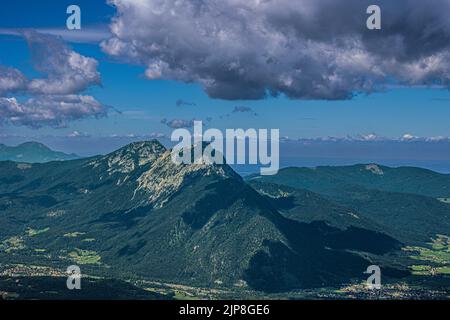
x=54, y=111
x=53, y=99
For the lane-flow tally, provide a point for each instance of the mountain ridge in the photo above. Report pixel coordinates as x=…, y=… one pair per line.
x=197, y=224
x=409, y=203
x=372, y=176
x=33, y=152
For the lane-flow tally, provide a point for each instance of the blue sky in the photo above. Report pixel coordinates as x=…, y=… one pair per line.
x=138, y=104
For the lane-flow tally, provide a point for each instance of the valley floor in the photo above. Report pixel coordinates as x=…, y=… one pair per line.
x=20, y=281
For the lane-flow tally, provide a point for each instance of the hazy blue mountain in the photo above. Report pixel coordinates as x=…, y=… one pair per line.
x=135, y=214
x=32, y=152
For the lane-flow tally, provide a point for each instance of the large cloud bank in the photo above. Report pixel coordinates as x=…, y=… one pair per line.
x=305, y=49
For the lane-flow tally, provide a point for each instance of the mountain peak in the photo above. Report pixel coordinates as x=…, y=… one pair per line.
x=142, y=146
x=142, y=151
x=132, y=156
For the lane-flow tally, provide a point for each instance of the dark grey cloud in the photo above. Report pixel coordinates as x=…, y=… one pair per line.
x=242, y=109
x=181, y=102
x=53, y=99
x=178, y=123
x=305, y=49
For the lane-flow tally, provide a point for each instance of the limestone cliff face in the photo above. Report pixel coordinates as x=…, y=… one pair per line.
x=149, y=168
x=130, y=157
x=163, y=177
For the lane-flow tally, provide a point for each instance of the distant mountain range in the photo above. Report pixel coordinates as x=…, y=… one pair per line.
x=135, y=215
x=32, y=152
